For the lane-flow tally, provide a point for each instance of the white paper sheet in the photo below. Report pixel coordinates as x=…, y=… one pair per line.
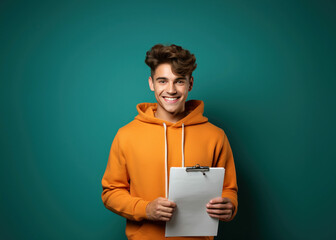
x=191, y=191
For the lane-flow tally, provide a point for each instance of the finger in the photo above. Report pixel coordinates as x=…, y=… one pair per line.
x=219, y=200
x=216, y=200
x=166, y=215
x=220, y=206
x=219, y=211
x=216, y=206
x=214, y=215
x=220, y=217
x=166, y=209
x=168, y=203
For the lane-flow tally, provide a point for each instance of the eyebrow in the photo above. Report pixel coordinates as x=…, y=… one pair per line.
x=164, y=78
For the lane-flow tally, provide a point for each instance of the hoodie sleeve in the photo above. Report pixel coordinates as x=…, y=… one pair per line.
x=230, y=188
x=116, y=196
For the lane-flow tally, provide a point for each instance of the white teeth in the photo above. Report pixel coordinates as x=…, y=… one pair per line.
x=170, y=99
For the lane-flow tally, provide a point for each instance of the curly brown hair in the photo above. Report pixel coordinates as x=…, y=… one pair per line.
x=181, y=60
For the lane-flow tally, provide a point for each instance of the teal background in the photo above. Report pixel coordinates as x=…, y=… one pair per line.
x=72, y=73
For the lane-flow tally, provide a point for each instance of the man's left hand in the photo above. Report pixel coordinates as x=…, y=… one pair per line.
x=220, y=208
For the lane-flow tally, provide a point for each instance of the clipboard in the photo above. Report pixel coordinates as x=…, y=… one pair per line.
x=191, y=188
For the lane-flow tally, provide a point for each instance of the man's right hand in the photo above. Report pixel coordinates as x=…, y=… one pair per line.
x=160, y=209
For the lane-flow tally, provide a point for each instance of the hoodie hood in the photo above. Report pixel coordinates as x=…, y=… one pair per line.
x=195, y=109
x=194, y=116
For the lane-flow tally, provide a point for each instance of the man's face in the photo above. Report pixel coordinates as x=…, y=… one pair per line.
x=171, y=91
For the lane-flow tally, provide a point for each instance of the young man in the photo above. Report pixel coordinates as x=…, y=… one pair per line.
x=170, y=133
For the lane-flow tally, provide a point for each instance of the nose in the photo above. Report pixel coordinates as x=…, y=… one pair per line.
x=171, y=88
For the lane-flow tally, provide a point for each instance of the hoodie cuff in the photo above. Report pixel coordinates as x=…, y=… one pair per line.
x=140, y=210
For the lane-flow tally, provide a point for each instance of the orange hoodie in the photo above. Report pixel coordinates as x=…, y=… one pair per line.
x=136, y=171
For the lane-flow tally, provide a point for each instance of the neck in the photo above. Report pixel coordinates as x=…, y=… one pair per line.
x=169, y=117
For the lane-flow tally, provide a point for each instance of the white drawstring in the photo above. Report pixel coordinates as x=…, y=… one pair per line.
x=166, y=158
x=182, y=144
x=166, y=154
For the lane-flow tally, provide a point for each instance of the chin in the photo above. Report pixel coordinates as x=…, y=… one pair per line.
x=171, y=108
x=173, y=111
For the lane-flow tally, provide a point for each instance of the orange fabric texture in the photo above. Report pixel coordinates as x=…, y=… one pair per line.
x=135, y=172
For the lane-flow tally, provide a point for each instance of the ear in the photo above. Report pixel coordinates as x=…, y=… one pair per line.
x=151, y=83
x=191, y=83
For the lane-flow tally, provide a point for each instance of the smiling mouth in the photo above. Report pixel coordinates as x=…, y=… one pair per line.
x=171, y=99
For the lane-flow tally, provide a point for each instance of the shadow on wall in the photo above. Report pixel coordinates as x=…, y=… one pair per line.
x=245, y=225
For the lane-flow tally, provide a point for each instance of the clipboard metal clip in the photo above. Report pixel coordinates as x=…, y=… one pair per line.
x=198, y=168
